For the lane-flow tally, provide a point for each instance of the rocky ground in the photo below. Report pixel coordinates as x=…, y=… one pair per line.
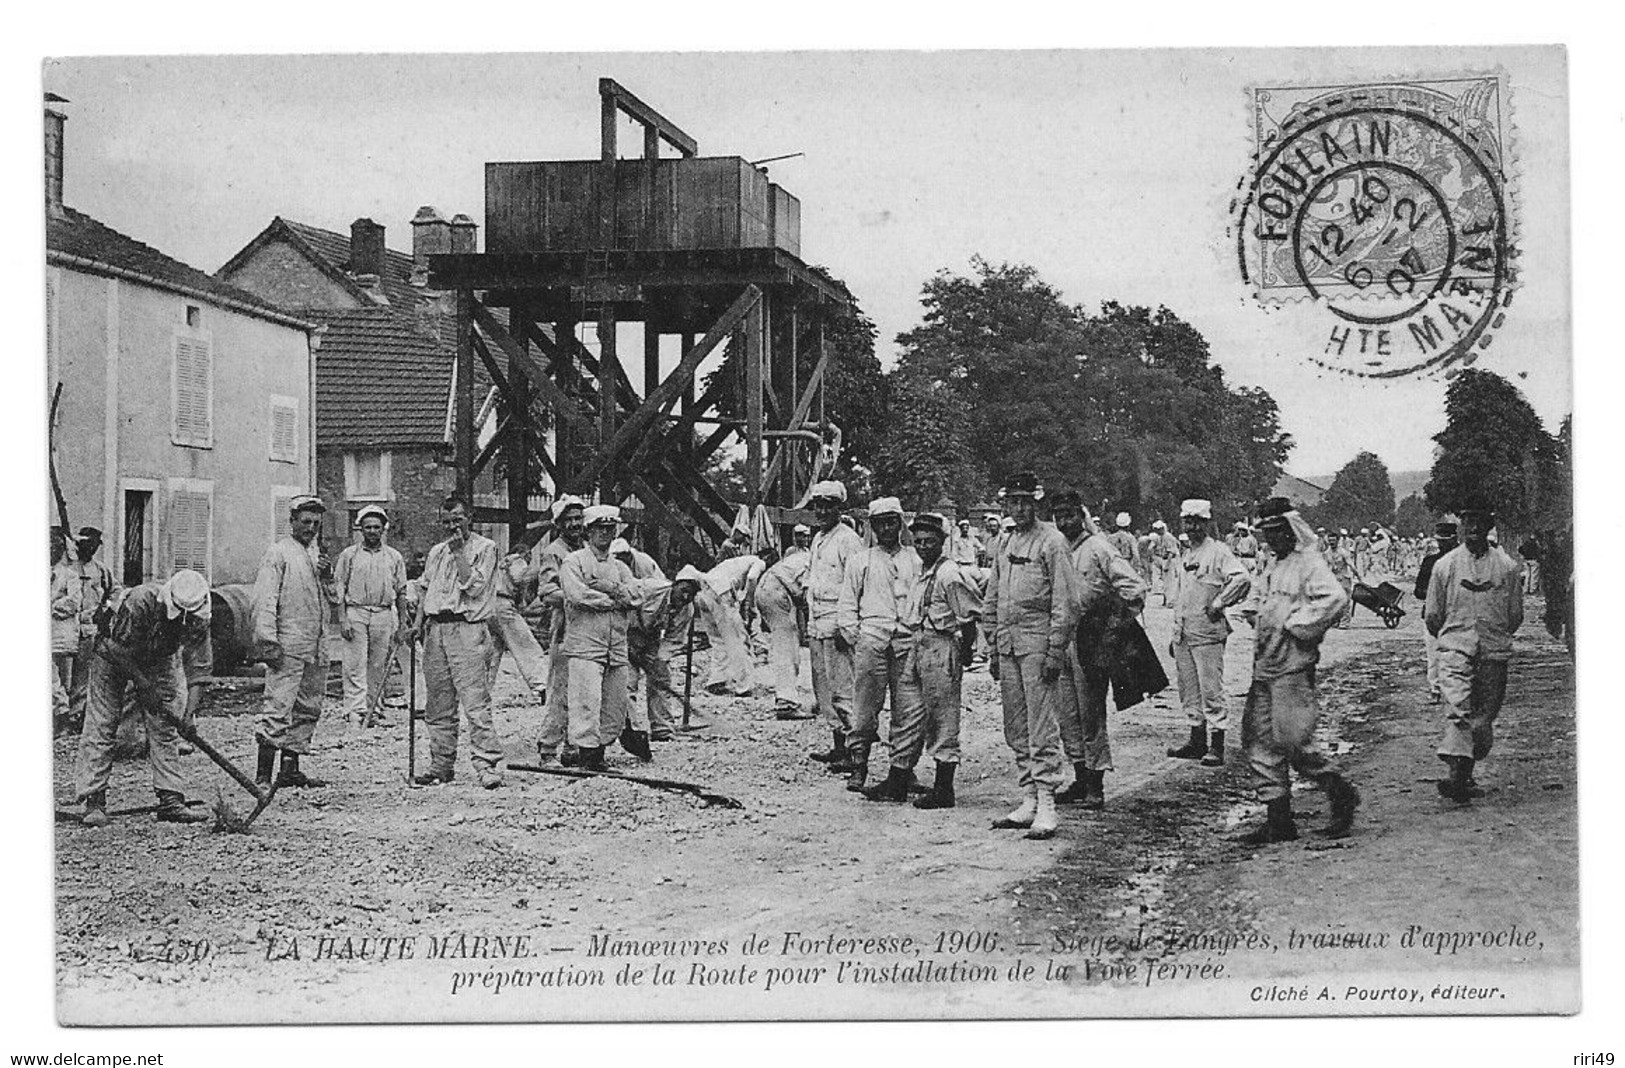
x=369, y=900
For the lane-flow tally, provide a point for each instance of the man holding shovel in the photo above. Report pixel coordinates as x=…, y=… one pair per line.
x=141, y=647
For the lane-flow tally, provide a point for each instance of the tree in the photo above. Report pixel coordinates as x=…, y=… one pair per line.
x=1413, y=517
x=1359, y=496
x=924, y=457
x=1493, y=447
x=1123, y=405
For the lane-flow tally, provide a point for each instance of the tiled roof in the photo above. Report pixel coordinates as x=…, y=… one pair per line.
x=75, y=234
x=396, y=281
x=381, y=381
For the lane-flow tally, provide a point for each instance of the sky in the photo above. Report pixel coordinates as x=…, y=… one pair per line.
x=1109, y=172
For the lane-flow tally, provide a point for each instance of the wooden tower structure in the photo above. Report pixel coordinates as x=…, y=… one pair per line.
x=704, y=248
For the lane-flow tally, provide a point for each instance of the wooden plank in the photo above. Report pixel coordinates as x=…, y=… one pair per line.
x=799, y=416
x=674, y=525
x=651, y=358
x=616, y=95
x=519, y=468
x=635, y=430
x=608, y=363
x=755, y=343
x=463, y=431
x=520, y=359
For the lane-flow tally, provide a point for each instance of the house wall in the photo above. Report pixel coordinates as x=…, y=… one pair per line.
x=419, y=480
x=253, y=359
x=284, y=277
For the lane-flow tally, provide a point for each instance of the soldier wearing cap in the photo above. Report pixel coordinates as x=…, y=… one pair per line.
x=1474, y=607
x=780, y=590
x=1345, y=567
x=369, y=579
x=1122, y=539
x=724, y=606
x=292, y=597
x=1298, y=601
x=459, y=598
x=1106, y=584
x=516, y=575
x=1207, y=580
x=1245, y=546
x=569, y=535
x=872, y=615
x=833, y=544
x=656, y=625
x=1165, y=556
x=1028, y=614
x=1445, y=533
x=598, y=599
x=96, y=588
x=141, y=648
x=941, y=612
x=64, y=630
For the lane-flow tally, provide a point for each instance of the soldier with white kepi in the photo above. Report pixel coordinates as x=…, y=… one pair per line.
x=1207, y=580
x=833, y=543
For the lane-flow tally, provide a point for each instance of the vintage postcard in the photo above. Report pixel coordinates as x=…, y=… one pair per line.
x=811, y=536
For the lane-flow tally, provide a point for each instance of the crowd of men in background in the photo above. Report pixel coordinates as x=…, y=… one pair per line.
x=1051, y=598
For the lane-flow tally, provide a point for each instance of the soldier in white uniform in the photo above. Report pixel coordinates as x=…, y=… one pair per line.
x=598, y=598
x=370, y=582
x=833, y=543
x=1028, y=614
x=779, y=591
x=569, y=535
x=292, y=597
x=1207, y=580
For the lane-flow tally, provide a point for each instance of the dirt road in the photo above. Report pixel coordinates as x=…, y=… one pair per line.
x=560, y=899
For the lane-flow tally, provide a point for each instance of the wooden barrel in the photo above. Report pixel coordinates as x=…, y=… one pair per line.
x=231, y=626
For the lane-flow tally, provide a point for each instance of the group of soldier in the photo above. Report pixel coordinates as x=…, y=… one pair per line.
x=891, y=623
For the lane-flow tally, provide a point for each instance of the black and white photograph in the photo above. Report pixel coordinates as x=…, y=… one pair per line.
x=811, y=535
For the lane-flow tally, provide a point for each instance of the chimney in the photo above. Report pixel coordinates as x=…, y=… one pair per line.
x=464, y=233
x=55, y=118
x=431, y=236
x=366, y=248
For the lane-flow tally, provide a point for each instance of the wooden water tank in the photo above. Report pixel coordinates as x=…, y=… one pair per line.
x=700, y=202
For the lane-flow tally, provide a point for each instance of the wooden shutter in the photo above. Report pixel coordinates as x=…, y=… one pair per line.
x=194, y=381
x=189, y=519
x=285, y=429
x=280, y=503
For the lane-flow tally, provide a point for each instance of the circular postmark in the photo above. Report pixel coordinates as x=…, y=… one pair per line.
x=1385, y=208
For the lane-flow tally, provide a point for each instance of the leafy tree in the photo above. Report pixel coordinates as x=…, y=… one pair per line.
x=1359, y=496
x=1493, y=447
x=1413, y=516
x=923, y=457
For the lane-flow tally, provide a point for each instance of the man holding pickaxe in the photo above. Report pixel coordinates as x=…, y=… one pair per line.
x=143, y=639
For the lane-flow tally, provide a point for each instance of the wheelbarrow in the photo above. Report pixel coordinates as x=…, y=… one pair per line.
x=1383, y=599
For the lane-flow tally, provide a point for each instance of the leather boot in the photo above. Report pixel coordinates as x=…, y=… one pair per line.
x=894, y=788
x=1458, y=787
x=172, y=809
x=636, y=743
x=1045, y=821
x=1079, y=790
x=592, y=759
x=941, y=794
x=1095, y=790
x=859, y=758
x=291, y=776
x=1021, y=817
x=1194, y=749
x=1277, y=825
x=95, y=810
x=570, y=756
x=837, y=750
x=265, y=765
x=1215, y=750
x=1344, y=799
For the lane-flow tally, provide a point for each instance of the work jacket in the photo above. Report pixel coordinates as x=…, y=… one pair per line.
x=443, y=591
x=1030, y=602
x=874, y=600
x=65, y=607
x=142, y=631
x=598, y=596
x=1123, y=541
x=826, y=575
x=290, y=600
x=1206, y=576
x=1475, y=603
x=945, y=598
x=1298, y=600
x=785, y=582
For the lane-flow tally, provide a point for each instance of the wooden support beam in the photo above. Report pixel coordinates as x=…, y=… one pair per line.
x=608, y=363
x=651, y=359
x=565, y=407
x=683, y=492
x=755, y=345
x=685, y=541
x=519, y=421
x=519, y=474
x=463, y=432
x=614, y=95
x=636, y=430
x=814, y=391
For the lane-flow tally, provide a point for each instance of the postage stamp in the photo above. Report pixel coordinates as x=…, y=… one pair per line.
x=1388, y=205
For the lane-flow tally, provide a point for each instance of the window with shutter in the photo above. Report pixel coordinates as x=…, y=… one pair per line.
x=285, y=429
x=193, y=384
x=190, y=515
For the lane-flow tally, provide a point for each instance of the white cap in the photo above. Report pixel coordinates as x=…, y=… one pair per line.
x=601, y=513
x=1343, y=531
x=186, y=591
x=690, y=573
x=620, y=546
x=885, y=506
x=829, y=488
x=1196, y=508
x=1007, y=523
x=801, y=528
x=566, y=502
x=1159, y=525
x=1122, y=519
x=372, y=509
